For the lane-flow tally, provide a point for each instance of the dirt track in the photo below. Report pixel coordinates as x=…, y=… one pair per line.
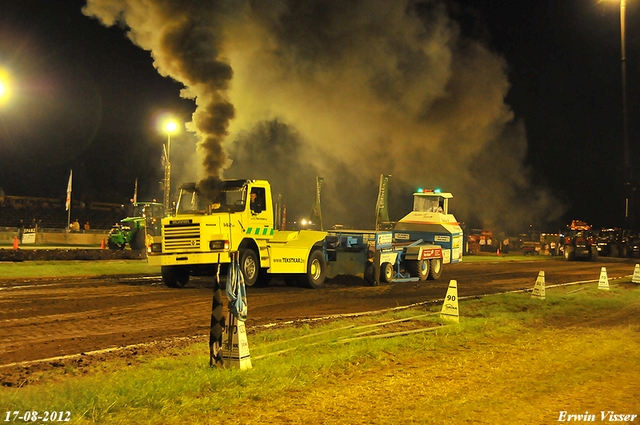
x=49, y=318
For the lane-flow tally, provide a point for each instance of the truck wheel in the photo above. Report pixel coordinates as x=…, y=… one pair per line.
x=315, y=270
x=369, y=271
x=137, y=241
x=613, y=251
x=623, y=252
x=113, y=245
x=435, y=271
x=594, y=254
x=175, y=276
x=419, y=269
x=249, y=266
x=569, y=253
x=386, y=272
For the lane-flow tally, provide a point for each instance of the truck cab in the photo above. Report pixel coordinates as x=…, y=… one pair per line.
x=219, y=220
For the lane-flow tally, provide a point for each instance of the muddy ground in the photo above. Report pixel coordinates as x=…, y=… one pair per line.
x=18, y=255
x=61, y=322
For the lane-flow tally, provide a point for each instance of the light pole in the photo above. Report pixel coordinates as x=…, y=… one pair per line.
x=170, y=127
x=628, y=185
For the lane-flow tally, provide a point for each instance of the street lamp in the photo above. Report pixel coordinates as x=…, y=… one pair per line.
x=170, y=127
x=4, y=86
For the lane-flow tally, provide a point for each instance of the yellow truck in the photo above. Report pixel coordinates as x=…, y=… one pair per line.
x=216, y=220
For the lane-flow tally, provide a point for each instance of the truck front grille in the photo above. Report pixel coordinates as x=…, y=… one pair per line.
x=181, y=237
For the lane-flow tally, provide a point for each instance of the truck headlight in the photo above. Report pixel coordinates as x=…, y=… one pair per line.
x=155, y=247
x=218, y=245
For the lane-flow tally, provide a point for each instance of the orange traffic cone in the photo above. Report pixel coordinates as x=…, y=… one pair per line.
x=15, y=243
x=102, y=246
x=498, y=252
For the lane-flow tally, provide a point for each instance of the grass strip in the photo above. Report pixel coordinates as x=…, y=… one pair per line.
x=484, y=258
x=27, y=269
x=512, y=359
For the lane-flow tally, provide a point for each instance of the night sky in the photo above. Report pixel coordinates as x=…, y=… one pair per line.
x=84, y=97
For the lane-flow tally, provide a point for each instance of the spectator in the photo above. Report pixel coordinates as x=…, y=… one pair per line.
x=75, y=226
x=86, y=226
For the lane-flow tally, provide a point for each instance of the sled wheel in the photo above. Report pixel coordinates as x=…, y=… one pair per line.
x=435, y=271
x=386, y=272
x=419, y=269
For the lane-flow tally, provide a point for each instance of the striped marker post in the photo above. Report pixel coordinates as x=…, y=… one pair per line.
x=217, y=325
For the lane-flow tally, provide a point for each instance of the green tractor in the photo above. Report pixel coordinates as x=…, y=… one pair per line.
x=131, y=230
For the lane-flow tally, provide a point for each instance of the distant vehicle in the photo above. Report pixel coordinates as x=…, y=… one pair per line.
x=531, y=242
x=579, y=242
x=131, y=230
x=473, y=236
x=629, y=245
x=608, y=242
x=615, y=242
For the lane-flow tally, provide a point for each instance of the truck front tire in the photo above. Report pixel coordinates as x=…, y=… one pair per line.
x=249, y=266
x=175, y=276
x=315, y=275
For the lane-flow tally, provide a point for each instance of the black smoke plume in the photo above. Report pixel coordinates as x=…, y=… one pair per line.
x=364, y=87
x=185, y=39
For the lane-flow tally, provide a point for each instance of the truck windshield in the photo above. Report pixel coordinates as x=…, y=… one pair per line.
x=428, y=203
x=229, y=198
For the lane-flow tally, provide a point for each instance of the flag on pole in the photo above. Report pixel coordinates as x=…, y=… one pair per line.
x=68, y=204
x=382, y=212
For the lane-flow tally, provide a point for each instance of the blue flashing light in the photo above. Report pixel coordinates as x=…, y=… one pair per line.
x=437, y=191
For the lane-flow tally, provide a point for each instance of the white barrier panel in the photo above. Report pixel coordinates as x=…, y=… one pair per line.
x=29, y=236
x=235, y=347
x=538, y=290
x=450, y=305
x=604, y=281
x=636, y=274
